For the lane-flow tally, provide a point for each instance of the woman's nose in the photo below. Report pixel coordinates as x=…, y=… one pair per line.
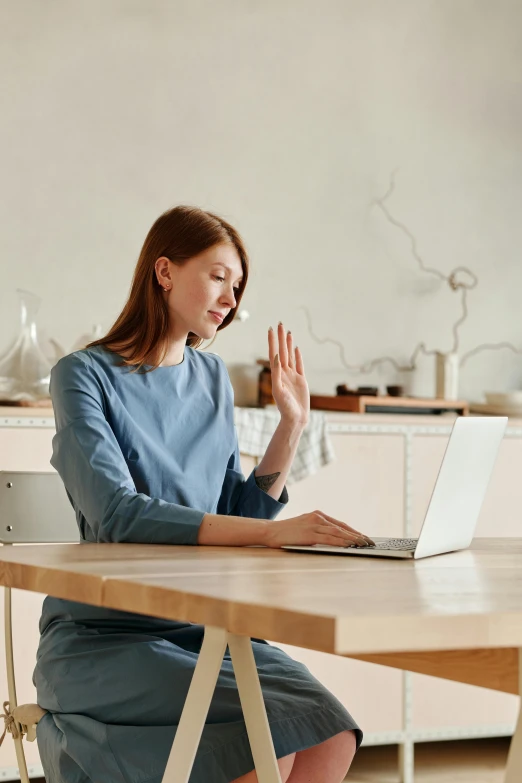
x=229, y=298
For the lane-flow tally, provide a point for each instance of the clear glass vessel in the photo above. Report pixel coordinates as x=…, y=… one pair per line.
x=24, y=369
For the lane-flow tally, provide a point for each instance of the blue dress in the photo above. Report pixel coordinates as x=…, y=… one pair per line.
x=143, y=456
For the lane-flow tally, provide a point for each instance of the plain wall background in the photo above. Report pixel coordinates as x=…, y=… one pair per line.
x=288, y=118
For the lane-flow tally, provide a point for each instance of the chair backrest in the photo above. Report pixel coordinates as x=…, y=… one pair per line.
x=35, y=509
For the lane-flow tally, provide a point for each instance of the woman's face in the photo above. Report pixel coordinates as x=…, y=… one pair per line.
x=202, y=290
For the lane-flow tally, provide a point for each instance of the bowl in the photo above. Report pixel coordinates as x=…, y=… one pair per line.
x=513, y=398
x=395, y=391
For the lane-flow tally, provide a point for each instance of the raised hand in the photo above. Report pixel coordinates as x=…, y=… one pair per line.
x=289, y=386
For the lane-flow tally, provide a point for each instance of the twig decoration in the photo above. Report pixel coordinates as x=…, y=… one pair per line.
x=456, y=281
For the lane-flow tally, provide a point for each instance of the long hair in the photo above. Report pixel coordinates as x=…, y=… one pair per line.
x=142, y=327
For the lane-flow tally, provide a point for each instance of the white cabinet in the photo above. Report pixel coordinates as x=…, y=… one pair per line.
x=363, y=486
x=381, y=483
x=440, y=707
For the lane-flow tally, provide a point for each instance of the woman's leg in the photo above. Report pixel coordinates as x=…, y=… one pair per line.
x=285, y=767
x=325, y=763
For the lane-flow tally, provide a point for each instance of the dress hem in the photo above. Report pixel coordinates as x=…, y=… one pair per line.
x=289, y=735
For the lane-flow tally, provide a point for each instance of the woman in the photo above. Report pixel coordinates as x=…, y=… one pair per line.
x=146, y=447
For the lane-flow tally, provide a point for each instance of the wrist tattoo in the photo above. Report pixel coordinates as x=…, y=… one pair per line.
x=266, y=482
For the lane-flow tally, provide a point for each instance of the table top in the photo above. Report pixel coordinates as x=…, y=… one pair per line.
x=334, y=603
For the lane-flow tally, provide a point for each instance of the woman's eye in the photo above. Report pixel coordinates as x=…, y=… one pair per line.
x=222, y=279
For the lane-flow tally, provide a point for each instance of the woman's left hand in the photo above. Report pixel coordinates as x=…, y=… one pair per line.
x=289, y=386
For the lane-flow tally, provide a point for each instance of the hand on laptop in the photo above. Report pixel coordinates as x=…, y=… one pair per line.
x=315, y=527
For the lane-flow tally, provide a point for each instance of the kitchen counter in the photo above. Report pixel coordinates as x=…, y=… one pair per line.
x=44, y=417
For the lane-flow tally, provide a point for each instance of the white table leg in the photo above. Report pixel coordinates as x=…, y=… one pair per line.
x=11, y=685
x=514, y=763
x=195, y=710
x=254, y=711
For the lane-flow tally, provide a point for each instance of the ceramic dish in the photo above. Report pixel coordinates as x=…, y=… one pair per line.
x=496, y=410
x=512, y=399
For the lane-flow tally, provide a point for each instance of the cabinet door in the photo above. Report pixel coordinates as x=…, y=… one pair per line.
x=440, y=703
x=371, y=694
x=26, y=448
x=500, y=514
x=364, y=487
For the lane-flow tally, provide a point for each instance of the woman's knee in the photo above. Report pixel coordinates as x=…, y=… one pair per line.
x=285, y=767
x=343, y=747
x=347, y=744
x=328, y=761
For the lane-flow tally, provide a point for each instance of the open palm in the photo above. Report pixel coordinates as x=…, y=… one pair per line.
x=289, y=387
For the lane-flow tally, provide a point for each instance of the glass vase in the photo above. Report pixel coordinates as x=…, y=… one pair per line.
x=24, y=369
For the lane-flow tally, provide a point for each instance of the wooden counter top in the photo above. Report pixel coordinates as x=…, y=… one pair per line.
x=47, y=415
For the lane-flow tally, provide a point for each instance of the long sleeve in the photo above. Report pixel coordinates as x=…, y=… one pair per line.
x=243, y=498
x=96, y=476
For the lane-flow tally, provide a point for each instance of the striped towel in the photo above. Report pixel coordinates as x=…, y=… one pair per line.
x=255, y=427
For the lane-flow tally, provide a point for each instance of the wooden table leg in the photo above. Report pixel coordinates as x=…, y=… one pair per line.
x=514, y=763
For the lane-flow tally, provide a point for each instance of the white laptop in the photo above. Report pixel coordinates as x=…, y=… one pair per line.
x=456, y=500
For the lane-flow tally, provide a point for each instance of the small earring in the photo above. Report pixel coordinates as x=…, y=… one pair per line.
x=166, y=289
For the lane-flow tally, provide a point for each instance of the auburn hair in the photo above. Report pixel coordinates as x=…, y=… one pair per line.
x=141, y=329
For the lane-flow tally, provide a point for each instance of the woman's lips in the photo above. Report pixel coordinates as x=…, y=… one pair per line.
x=219, y=318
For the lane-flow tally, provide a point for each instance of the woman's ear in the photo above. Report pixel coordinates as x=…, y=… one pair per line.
x=162, y=269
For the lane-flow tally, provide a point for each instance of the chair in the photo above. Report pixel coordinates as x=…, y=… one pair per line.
x=34, y=509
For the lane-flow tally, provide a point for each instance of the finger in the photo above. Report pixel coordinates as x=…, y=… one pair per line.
x=290, y=348
x=333, y=521
x=276, y=373
x=299, y=366
x=283, y=350
x=272, y=346
x=338, y=522
x=332, y=540
x=340, y=532
x=355, y=538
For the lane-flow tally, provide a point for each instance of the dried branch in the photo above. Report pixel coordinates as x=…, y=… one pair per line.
x=488, y=347
x=458, y=324
x=369, y=366
x=453, y=282
x=452, y=279
x=380, y=202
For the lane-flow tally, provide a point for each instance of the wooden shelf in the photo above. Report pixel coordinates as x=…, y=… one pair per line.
x=360, y=403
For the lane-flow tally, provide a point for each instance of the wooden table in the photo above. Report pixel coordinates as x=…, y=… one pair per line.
x=456, y=616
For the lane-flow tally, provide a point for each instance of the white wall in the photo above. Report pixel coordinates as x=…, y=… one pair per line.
x=287, y=117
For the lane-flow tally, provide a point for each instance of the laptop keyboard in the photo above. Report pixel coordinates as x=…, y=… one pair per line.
x=394, y=543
